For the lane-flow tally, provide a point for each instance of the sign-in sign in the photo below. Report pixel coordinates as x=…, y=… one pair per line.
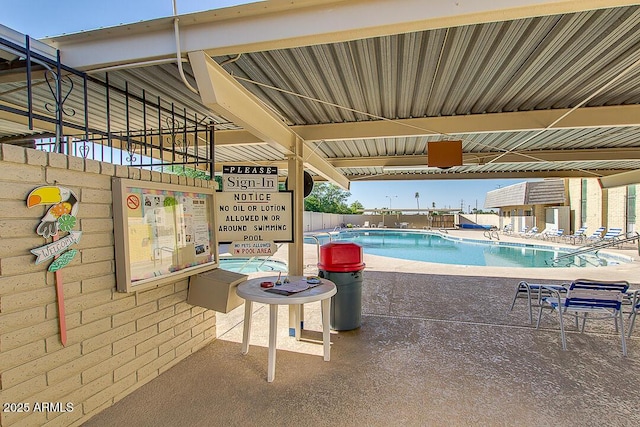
x=254, y=217
x=250, y=178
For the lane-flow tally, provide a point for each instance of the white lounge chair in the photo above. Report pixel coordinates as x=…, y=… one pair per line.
x=543, y=234
x=555, y=234
x=507, y=229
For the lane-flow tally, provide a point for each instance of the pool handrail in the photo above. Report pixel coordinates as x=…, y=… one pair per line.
x=315, y=237
x=597, y=246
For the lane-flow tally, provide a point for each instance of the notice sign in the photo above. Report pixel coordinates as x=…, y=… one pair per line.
x=243, y=249
x=250, y=178
x=254, y=217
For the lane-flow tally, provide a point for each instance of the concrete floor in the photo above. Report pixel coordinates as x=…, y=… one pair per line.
x=438, y=346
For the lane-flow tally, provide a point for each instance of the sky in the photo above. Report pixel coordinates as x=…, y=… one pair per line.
x=38, y=19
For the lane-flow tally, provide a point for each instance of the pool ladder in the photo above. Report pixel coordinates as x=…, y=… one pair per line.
x=491, y=234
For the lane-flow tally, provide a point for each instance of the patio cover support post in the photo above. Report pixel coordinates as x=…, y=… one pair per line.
x=295, y=183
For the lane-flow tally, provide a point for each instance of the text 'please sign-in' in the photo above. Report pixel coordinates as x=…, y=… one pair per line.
x=252, y=212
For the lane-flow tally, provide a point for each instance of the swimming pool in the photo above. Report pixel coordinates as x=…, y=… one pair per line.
x=248, y=265
x=439, y=248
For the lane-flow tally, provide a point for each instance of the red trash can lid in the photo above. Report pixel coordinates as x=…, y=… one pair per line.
x=340, y=257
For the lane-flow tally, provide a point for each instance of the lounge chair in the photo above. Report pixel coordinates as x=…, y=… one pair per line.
x=543, y=234
x=612, y=233
x=612, y=236
x=600, y=300
x=596, y=235
x=555, y=234
x=579, y=235
x=530, y=233
x=366, y=224
x=507, y=229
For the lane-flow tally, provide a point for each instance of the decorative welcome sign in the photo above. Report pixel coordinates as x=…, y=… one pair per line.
x=51, y=250
x=60, y=217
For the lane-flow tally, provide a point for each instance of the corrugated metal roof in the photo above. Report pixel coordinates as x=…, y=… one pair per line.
x=538, y=63
x=543, y=63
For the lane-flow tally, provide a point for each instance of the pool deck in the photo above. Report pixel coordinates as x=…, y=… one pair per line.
x=437, y=346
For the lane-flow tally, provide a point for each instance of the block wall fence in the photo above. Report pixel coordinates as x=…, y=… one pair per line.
x=116, y=342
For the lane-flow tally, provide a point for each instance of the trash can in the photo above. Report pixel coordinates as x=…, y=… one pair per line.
x=341, y=262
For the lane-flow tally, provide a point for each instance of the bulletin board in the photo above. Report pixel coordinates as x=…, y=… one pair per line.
x=163, y=233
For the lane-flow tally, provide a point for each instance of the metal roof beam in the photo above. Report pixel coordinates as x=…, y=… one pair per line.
x=225, y=96
x=592, y=117
x=485, y=175
x=280, y=24
x=586, y=155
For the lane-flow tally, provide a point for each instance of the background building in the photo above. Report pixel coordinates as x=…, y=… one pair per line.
x=568, y=203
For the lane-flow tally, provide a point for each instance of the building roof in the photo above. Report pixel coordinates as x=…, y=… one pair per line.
x=546, y=192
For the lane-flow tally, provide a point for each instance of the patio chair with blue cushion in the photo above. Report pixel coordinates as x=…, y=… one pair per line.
x=534, y=292
x=601, y=300
x=532, y=232
x=578, y=236
x=596, y=235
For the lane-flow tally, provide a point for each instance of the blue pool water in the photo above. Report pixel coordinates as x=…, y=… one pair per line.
x=246, y=265
x=438, y=248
